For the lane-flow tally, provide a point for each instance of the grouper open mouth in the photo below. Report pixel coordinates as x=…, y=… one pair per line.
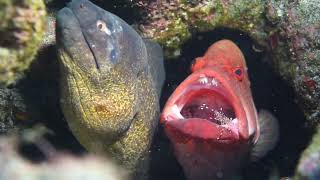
x=204, y=109
x=211, y=120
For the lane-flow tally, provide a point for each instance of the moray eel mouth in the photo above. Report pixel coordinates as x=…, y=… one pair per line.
x=72, y=39
x=204, y=107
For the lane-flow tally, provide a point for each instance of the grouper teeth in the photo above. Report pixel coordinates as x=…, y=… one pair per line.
x=203, y=80
x=176, y=112
x=214, y=82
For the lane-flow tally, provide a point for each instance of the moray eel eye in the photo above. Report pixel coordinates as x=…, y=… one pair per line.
x=103, y=27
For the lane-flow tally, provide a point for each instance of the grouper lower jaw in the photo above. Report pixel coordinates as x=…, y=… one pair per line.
x=110, y=82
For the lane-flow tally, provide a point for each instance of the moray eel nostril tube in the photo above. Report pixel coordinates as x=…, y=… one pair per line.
x=110, y=83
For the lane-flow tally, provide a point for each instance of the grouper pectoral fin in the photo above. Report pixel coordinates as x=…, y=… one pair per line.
x=269, y=135
x=155, y=59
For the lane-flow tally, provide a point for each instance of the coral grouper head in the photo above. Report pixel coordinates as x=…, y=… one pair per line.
x=215, y=101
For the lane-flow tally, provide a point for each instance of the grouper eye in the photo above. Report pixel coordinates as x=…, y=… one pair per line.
x=239, y=73
x=103, y=27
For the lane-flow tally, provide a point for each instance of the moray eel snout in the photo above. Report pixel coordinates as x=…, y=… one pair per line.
x=93, y=31
x=106, y=68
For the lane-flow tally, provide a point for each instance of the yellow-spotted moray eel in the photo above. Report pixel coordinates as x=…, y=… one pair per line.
x=110, y=84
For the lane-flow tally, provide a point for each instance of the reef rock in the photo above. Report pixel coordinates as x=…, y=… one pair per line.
x=60, y=166
x=294, y=39
x=21, y=30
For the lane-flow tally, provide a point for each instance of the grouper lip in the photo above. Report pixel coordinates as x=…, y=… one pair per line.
x=179, y=114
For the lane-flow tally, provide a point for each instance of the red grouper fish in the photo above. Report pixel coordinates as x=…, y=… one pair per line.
x=211, y=119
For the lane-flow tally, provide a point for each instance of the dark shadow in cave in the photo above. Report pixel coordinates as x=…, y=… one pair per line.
x=130, y=12
x=40, y=88
x=269, y=91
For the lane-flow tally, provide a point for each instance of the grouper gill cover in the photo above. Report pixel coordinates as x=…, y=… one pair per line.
x=110, y=84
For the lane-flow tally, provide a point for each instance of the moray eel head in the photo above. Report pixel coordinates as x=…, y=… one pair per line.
x=101, y=39
x=102, y=58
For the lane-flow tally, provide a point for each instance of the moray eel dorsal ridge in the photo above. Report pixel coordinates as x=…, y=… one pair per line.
x=110, y=83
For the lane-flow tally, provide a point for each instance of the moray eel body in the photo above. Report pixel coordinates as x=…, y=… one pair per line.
x=110, y=83
x=211, y=119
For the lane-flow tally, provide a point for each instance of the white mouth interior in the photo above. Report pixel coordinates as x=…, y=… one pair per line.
x=205, y=99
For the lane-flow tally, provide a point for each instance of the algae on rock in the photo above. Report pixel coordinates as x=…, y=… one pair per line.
x=21, y=30
x=14, y=113
x=172, y=23
x=295, y=46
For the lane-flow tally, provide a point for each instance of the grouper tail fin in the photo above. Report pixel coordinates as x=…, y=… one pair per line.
x=269, y=135
x=155, y=60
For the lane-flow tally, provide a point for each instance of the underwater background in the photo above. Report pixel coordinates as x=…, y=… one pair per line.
x=280, y=41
